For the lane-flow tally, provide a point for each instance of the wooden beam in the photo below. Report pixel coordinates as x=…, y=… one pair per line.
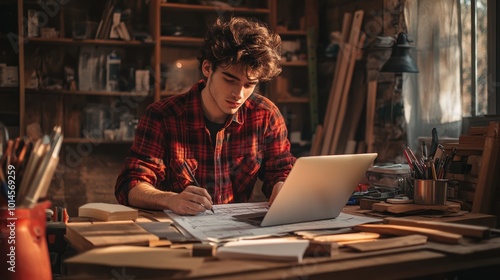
x=489, y=176
x=338, y=76
x=356, y=41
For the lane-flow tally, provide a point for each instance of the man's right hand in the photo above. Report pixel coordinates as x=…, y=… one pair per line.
x=191, y=201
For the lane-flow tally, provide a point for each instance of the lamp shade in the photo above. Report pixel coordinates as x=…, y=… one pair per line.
x=400, y=60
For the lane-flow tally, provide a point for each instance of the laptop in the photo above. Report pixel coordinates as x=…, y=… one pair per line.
x=317, y=188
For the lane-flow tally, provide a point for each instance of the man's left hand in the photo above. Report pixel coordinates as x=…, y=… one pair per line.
x=276, y=190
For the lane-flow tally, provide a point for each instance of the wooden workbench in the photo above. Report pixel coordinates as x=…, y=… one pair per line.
x=432, y=259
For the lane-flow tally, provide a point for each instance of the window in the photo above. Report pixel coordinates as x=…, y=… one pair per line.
x=479, y=57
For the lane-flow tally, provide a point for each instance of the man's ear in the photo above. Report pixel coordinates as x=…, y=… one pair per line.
x=206, y=68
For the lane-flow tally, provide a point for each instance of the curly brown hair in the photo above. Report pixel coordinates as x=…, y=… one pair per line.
x=243, y=40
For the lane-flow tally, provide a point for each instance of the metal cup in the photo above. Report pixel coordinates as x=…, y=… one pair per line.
x=430, y=191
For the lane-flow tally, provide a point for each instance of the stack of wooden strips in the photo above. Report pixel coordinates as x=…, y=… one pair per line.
x=338, y=127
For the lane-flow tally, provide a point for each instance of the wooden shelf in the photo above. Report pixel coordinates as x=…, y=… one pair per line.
x=293, y=33
x=181, y=41
x=295, y=90
x=84, y=92
x=70, y=41
x=294, y=63
x=292, y=99
x=9, y=89
x=206, y=8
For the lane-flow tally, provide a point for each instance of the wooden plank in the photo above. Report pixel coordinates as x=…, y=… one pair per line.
x=356, y=41
x=316, y=145
x=346, y=237
x=372, y=72
x=432, y=234
x=489, y=178
x=413, y=208
x=465, y=230
x=356, y=105
x=339, y=74
x=312, y=38
x=370, y=114
x=350, y=146
x=86, y=236
x=389, y=243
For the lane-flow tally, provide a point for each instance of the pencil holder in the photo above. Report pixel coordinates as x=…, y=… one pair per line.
x=430, y=191
x=23, y=244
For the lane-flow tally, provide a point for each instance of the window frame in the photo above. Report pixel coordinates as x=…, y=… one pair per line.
x=493, y=86
x=493, y=58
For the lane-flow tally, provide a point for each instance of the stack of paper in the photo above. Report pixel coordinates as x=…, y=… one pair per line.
x=275, y=249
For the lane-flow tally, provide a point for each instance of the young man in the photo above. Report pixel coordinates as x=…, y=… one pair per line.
x=220, y=133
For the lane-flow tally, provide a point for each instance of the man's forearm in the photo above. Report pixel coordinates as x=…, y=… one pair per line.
x=146, y=196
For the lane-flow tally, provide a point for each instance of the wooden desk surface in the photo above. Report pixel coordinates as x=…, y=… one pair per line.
x=412, y=262
x=476, y=219
x=431, y=259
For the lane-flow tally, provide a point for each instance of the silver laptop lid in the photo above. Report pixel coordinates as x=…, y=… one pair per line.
x=317, y=188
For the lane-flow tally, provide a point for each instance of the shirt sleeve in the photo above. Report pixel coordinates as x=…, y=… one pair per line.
x=278, y=160
x=144, y=162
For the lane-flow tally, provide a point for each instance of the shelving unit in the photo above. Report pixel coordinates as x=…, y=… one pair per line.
x=295, y=91
x=181, y=30
x=9, y=98
x=89, y=165
x=50, y=92
x=176, y=30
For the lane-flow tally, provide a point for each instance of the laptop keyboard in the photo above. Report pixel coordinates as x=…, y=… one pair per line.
x=254, y=218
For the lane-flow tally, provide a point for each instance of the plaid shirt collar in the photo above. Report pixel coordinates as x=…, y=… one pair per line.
x=194, y=110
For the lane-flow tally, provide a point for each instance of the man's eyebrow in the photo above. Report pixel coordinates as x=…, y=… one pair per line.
x=254, y=81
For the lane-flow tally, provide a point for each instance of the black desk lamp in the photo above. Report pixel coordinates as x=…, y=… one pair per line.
x=400, y=60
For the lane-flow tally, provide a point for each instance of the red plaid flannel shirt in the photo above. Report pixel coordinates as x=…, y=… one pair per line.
x=253, y=144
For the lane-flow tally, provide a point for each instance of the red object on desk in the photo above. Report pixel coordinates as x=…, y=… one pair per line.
x=362, y=187
x=23, y=244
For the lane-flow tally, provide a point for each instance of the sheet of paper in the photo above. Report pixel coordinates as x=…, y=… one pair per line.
x=275, y=249
x=210, y=226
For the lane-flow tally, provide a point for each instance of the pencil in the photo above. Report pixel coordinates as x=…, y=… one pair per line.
x=193, y=179
x=433, y=168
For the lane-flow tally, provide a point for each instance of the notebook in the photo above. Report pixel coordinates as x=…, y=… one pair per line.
x=317, y=188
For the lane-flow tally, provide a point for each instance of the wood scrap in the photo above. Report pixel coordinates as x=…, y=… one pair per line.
x=347, y=237
x=432, y=234
x=389, y=243
x=465, y=230
x=86, y=236
x=412, y=208
x=320, y=249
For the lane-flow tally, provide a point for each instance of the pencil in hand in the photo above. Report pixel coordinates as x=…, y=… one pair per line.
x=193, y=179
